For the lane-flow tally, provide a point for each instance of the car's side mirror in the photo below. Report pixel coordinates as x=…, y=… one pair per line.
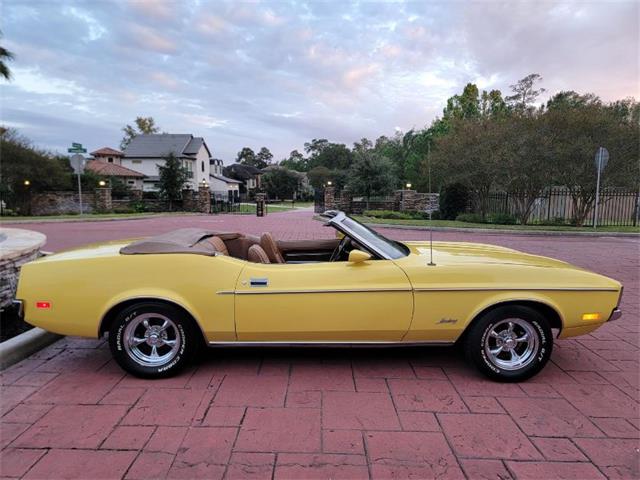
x=358, y=256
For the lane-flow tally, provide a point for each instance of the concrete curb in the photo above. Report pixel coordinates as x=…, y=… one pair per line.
x=20, y=347
x=503, y=231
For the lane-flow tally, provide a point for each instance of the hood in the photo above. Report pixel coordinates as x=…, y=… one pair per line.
x=451, y=253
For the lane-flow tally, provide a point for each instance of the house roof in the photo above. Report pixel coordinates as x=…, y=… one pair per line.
x=112, y=169
x=242, y=172
x=225, y=179
x=161, y=145
x=108, y=151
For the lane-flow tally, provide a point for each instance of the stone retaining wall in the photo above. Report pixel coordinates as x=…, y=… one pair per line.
x=61, y=203
x=17, y=247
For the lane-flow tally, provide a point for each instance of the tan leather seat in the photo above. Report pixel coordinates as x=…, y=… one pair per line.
x=219, y=245
x=269, y=245
x=256, y=254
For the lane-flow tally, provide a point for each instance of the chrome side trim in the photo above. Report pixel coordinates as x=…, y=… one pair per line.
x=516, y=289
x=328, y=344
x=292, y=292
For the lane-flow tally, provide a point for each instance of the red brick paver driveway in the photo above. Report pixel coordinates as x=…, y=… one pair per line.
x=69, y=411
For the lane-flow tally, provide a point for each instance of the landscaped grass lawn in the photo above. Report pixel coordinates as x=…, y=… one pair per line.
x=493, y=226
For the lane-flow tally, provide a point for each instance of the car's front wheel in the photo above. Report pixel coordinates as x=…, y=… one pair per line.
x=153, y=340
x=510, y=343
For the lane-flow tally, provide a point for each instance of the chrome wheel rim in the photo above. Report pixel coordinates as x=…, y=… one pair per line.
x=152, y=339
x=511, y=344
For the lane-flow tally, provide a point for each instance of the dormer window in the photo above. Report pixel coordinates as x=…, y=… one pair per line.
x=110, y=159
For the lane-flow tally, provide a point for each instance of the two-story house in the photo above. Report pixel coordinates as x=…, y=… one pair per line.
x=222, y=188
x=146, y=152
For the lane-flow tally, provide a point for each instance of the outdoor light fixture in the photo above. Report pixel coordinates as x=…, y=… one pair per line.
x=329, y=183
x=27, y=183
x=408, y=185
x=102, y=183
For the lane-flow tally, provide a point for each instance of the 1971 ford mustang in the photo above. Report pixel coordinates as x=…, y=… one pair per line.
x=161, y=298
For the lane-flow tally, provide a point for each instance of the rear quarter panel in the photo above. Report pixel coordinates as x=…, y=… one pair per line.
x=82, y=290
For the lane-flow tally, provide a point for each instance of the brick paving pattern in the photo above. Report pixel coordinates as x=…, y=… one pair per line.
x=70, y=412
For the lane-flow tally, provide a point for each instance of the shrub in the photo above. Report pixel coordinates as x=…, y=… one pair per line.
x=470, y=218
x=454, y=199
x=502, y=219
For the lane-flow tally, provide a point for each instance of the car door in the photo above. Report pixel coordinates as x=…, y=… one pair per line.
x=325, y=302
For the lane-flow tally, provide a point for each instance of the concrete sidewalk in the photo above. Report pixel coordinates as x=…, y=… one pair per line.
x=70, y=412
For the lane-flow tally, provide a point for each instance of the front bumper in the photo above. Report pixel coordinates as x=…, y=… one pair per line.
x=615, y=315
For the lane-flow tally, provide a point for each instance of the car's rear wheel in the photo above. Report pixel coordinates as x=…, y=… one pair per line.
x=153, y=340
x=510, y=343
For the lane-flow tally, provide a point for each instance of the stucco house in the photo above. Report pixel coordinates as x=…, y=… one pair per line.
x=223, y=188
x=107, y=162
x=145, y=152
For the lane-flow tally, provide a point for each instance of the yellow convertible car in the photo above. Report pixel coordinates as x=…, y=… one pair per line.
x=160, y=299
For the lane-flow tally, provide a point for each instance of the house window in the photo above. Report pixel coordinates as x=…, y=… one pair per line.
x=136, y=161
x=202, y=166
x=110, y=159
x=131, y=182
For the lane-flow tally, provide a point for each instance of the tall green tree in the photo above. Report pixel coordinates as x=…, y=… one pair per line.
x=173, y=176
x=263, y=158
x=471, y=154
x=527, y=161
x=525, y=93
x=319, y=176
x=295, y=161
x=371, y=174
x=143, y=125
x=577, y=134
x=246, y=156
x=5, y=56
x=280, y=183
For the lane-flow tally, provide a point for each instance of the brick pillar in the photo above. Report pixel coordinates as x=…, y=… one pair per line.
x=346, y=198
x=204, y=199
x=188, y=202
x=103, y=199
x=397, y=200
x=330, y=198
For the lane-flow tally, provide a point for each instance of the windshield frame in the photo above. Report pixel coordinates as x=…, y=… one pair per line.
x=337, y=221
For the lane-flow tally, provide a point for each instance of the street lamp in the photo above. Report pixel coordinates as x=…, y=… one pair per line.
x=408, y=186
x=27, y=183
x=329, y=183
x=102, y=183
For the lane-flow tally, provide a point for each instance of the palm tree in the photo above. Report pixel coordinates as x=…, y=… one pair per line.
x=4, y=56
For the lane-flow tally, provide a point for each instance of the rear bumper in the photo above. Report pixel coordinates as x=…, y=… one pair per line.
x=18, y=308
x=615, y=315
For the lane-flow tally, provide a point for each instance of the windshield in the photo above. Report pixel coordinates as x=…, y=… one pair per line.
x=389, y=249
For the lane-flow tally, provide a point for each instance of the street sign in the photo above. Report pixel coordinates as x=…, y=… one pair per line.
x=77, y=163
x=77, y=150
x=76, y=145
x=602, y=158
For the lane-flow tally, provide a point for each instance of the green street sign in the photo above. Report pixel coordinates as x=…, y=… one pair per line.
x=76, y=145
x=77, y=150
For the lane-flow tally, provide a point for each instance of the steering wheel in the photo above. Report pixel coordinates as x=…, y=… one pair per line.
x=337, y=254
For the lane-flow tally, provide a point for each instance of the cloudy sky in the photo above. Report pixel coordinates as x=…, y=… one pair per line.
x=280, y=73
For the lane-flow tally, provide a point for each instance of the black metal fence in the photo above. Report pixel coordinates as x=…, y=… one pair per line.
x=617, y=207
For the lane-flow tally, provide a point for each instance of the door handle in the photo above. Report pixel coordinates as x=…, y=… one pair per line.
x=259, y=282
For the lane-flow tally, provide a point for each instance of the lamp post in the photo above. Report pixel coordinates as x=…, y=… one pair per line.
x=329, y=183
x=102, y=183
x=408, y=185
